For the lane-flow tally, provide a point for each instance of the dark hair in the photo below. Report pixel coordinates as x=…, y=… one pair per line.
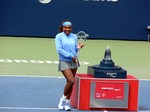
x=61, y=25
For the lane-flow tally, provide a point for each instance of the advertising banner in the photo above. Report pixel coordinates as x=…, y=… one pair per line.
x=106, y=90
x=101, y=19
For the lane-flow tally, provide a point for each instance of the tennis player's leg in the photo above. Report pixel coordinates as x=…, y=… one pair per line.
x=64, y=101
x=71, y=88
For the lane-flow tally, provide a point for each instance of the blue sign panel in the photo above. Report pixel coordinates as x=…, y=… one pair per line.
x=102, y=19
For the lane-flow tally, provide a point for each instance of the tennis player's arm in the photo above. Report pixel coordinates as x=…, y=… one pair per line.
x=60, y=50
x=76, y=43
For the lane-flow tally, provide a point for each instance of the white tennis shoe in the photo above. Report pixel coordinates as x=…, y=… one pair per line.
x=67, y=107
x=62, y=103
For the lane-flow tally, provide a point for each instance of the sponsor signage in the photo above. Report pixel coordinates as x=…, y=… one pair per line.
x=106, y=90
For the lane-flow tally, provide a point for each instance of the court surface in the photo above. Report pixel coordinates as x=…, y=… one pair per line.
x=41, y=94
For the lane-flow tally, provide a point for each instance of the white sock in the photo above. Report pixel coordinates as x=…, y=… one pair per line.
x=67, y=100
x=64, y=97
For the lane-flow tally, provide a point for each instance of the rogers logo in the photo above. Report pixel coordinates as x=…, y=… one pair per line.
x=44, y=1
x=102, y=0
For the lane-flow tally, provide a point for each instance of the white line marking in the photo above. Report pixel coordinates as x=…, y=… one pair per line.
x=145, y=79
x=29, y=108
x=27, y=76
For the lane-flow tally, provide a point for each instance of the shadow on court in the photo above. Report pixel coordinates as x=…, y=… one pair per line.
x=41, y=94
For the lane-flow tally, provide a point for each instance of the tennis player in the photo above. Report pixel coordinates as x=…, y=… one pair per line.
x=67, y=47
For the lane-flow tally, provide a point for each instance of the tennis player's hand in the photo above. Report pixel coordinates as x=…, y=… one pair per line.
x=80, y=45
x=74, y=59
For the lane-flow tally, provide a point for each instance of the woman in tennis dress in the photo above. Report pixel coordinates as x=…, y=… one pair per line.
x=67, y=48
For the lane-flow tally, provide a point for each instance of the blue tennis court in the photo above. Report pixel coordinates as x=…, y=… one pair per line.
x=41, y=94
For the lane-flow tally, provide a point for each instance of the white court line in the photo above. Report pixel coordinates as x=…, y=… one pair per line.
x=145, y=79
x=29, y=108
x=28, y=76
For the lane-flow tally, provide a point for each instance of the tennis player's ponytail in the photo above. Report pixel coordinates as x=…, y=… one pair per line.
x=61, y=25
